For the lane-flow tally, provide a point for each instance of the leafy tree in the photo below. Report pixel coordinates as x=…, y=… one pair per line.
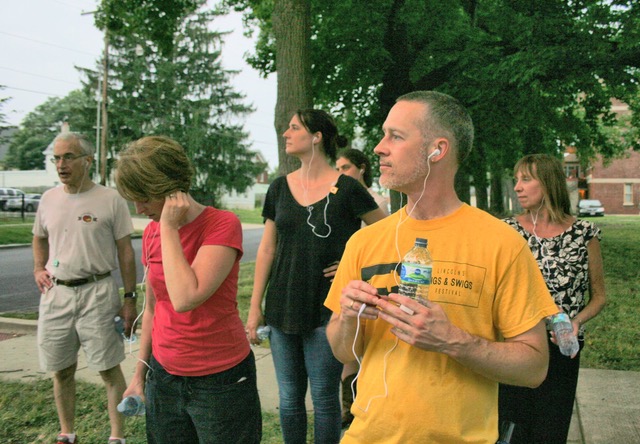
x=180, y=89
x=535, y=76
x=3, y=122
x=40, y=126
x=3, y=117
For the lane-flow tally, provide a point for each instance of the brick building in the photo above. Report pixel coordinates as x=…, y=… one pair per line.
x=616, y=185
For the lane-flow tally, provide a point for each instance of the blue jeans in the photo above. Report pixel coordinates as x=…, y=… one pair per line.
x=296, y=358
x=218, y=408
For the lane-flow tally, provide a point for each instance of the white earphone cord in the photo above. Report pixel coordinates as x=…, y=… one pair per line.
x=545, y=258
x=143, y=284
x=362, y=308
x=306, y=200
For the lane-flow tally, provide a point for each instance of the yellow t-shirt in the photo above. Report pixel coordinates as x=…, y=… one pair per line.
x=488, y=283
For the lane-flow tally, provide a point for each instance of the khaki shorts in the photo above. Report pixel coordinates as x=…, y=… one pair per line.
x=71, y=317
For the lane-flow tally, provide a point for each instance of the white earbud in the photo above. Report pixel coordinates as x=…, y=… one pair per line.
x=436, y=152
x=361, y=171
x=315, y=139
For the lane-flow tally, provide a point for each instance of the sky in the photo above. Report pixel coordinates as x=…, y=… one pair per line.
x=42, y=40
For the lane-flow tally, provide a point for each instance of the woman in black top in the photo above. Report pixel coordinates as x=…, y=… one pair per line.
x=309, y=216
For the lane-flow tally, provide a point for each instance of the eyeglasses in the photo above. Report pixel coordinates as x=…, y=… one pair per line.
x=66, y=158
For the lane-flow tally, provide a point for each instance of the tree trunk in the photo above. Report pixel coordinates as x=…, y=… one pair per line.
x=292, y=31
x=497, y=199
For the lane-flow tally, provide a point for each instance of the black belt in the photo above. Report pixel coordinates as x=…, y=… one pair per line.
x=78, y=282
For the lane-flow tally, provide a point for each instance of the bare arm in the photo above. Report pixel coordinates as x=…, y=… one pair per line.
x=597, y=295
x=40, y=247
x=521, y=360
x=341, y=330
x=189, y=285
x=264, y=261
x=127, y=262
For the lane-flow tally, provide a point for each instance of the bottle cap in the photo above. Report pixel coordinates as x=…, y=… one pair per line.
x=420, y=242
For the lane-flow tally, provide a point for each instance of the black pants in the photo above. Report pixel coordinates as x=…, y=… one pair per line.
x=543, y=415
x=218, y=408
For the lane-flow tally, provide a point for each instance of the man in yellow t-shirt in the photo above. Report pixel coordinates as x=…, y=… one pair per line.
x=432, y=376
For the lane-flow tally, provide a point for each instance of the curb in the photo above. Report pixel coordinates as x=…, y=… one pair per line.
x=7, y=246
x=20, y=326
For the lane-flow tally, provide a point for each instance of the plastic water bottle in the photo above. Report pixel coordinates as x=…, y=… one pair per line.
x=119, y=325
x=415, y=273
x=120, y=329
x=131, y=406
x=563, y=330
x=506, y=431
x=263, y=332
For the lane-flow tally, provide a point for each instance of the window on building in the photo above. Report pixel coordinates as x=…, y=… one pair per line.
x=628, y=194
x=572, y=171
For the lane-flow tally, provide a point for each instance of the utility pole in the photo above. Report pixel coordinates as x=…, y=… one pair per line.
x=103, y=138
x=98, y=127
x=101, y=143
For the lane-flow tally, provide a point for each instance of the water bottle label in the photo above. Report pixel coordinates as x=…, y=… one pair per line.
x=416, y=274
x=560, y=318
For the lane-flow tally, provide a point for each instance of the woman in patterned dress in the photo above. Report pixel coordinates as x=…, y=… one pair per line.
x=568, y=253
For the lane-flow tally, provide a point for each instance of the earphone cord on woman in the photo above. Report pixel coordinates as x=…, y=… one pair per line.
x=144, y=300
x=310, y=207
x=545, y=258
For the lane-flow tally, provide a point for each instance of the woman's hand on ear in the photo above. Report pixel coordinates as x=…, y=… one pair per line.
x=175, y=208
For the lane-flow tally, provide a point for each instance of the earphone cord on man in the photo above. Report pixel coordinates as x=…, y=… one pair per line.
x=362, y=308
x=401, y=221
x=384, y=370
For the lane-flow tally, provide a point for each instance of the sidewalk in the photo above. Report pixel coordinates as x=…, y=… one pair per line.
x=607, y=407
x=19, y=352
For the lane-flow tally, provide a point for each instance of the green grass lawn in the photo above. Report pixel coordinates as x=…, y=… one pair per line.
x=613, y=337
x=28, y=415
x=15, y=230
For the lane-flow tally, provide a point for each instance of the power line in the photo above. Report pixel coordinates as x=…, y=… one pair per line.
x=48, y=44
x=37, y=75
x=32, y=91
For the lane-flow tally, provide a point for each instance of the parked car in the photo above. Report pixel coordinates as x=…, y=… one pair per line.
x=590, y=207
x=6, y=194
x=31, y=202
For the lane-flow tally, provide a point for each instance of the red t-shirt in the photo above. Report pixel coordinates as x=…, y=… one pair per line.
x=210, y=338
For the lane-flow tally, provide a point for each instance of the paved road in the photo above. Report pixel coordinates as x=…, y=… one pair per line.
x=18, y=291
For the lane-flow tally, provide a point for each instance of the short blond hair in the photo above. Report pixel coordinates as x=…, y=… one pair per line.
x=151, y=168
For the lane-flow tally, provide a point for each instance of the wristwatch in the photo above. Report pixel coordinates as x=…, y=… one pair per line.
x=130, y=295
